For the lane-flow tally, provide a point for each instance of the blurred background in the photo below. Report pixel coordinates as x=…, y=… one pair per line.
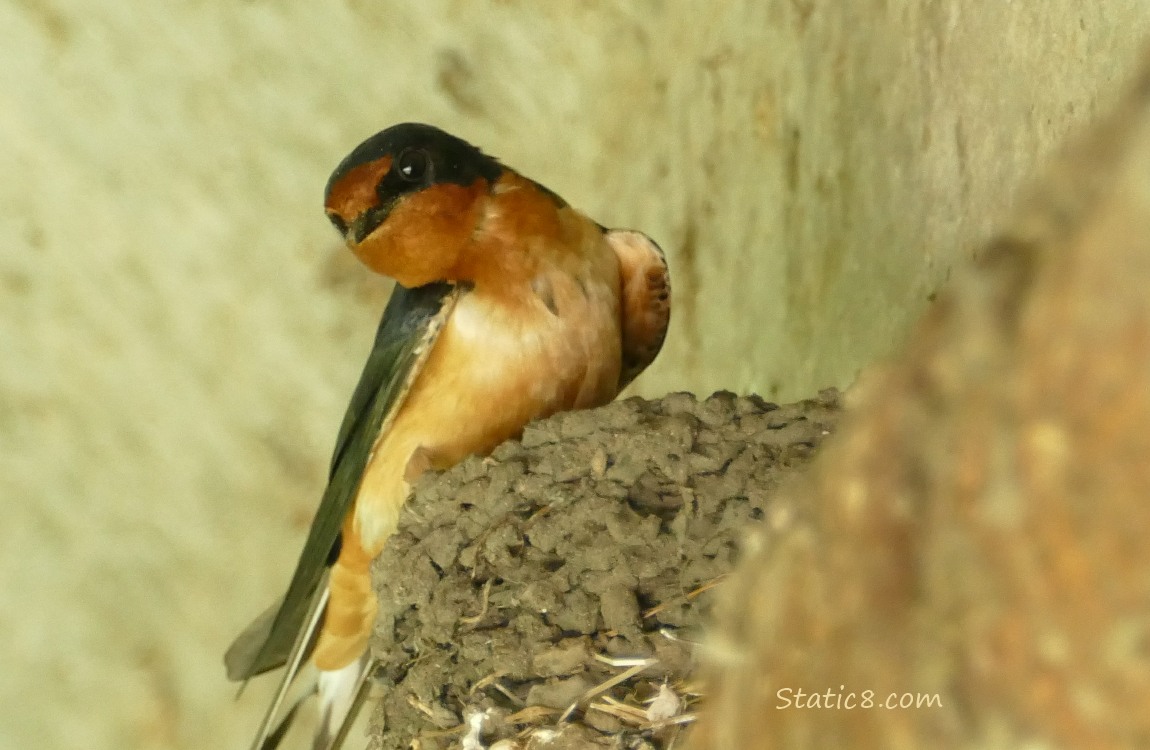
x=180, y=329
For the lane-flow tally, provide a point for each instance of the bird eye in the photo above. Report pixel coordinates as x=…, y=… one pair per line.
x=412, y=165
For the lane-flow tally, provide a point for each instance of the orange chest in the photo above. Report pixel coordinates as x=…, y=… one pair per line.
x=493, y=369
x=496, y=366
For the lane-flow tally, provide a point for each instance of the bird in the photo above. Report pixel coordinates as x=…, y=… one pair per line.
x=509, y=306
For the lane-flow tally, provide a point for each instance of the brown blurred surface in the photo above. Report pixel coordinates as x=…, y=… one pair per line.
x=976, y=529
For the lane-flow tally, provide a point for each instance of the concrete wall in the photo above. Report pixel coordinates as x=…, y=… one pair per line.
x=179, y=330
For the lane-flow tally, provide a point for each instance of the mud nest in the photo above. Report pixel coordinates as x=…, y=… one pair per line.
x=555, y=592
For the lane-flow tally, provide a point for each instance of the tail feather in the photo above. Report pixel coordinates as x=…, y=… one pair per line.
x=271, y=731
x=341, y=693
x=276, y=736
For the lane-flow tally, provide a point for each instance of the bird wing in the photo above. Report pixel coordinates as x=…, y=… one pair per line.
x=410, y=326
x=646, y=299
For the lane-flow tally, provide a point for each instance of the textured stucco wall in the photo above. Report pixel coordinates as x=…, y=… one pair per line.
x=179, y=331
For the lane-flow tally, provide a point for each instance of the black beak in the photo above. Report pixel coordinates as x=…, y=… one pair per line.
x=364, y=224
x=338, y=222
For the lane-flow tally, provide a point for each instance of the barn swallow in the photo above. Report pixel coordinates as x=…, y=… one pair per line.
x=509, y=306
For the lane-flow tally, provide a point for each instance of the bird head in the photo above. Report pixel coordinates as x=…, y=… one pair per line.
x=408, y=199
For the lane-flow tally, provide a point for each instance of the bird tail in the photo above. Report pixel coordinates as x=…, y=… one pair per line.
x=341, y=653
x=333, y=637
x=341, y=693
x=271, y=731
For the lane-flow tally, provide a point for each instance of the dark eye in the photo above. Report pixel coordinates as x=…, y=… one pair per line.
x=412, y=165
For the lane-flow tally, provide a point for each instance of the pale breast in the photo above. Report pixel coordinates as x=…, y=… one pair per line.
x=503, y=365
x=498, y=364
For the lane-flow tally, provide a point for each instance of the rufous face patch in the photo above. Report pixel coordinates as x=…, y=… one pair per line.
x=355, y=192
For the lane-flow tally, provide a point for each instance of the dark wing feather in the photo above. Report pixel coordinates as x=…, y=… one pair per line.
x=410, y=325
